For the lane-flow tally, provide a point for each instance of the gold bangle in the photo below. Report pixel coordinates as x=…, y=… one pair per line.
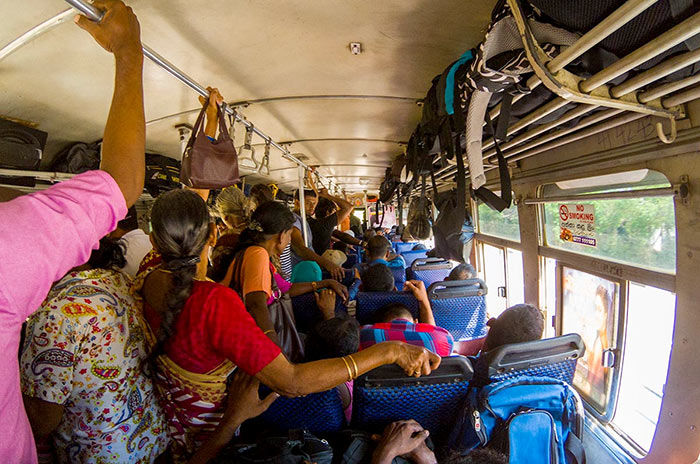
x=357, y=371
x=347, y=365
x=268, y=331
x=314, y=286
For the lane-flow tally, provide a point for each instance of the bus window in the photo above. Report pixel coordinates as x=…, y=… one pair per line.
x=649, y=335
x=635, y=231
x=502, y=225
x=502, y=270
x=590, y=308
x=548, y=298
x=515, y=283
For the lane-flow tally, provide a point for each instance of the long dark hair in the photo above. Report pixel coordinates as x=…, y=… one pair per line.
x=269, y=219
x=109, y=255
x=180, y=229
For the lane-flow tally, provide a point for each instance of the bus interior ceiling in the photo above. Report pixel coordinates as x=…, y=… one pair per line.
x=294, y=60
x=290, y=71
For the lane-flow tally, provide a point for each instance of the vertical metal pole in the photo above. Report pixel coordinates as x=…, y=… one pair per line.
x=366, y=211
x=302, y=204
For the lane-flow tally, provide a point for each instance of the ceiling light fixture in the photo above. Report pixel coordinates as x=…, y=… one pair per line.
x=355, y=48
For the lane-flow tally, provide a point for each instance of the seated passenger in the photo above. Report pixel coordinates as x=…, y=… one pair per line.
x=462, y=271
x=333, y=337
x=136, y=242
x=395, y=322
x=265, y=293
x=379, y=250
x=203, y=331
x=377, y=277
x=81, y=368
x=418, y=247
x=519, y=323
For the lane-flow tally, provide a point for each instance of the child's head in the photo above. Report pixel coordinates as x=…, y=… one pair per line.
x=519, y=323
x=463, y=271
x=391, y=312
x=333, y=338
x=377, y=278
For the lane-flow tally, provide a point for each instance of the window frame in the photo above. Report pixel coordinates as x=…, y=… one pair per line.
x=607, y=416
x=503, y=244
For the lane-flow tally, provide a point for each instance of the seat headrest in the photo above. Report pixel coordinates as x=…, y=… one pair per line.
x=457, y=289
x=452, y=369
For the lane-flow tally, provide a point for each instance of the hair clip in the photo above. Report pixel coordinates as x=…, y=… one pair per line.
x=255, y=225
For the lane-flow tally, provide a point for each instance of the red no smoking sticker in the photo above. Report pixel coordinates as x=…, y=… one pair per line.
x=563, y=212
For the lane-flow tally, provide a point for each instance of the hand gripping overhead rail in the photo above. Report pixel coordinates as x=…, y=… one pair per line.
x=96, y=14
x=624, y=103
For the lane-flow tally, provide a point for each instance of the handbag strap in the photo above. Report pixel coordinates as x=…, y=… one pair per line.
x=198, y=127
x=223, y=130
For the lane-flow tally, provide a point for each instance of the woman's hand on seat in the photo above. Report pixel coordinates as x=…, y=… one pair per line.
x=325, y=300
x=416, y=360
x=340, y=289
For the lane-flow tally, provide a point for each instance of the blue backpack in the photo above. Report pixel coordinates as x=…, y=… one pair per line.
x=533, y=420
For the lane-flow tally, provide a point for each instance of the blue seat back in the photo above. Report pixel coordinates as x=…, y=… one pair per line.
x=318, y=413
x=410, y=256
x=399, y=277
x=347, y=279
x=352, y=260
x=430, y=270
x=552, y=357
x=386, y=394
x=401, y=247
x=460, y=307
x=369, y=302
x=307, y=314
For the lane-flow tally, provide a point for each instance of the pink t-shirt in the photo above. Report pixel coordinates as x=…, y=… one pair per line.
x=42, y=236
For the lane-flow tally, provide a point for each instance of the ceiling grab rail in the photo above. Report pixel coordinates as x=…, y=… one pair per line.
x=264, y=169
x=248, y=162
x=95, y=14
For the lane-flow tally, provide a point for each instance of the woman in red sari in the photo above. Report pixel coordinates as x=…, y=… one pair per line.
x=202, y=331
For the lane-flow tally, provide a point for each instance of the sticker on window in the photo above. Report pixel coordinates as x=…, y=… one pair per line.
x=577, y=223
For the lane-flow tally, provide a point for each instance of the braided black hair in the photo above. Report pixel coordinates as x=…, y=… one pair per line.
x=180, y=222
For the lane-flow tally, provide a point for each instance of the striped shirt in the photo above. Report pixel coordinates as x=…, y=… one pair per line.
x=435, y=339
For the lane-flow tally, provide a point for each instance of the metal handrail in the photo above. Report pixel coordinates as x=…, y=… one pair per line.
x=96, y=14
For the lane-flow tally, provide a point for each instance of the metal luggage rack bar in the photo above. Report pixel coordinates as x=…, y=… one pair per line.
x=96, y=14
x=624, y=101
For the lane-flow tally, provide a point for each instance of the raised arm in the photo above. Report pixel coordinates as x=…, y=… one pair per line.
x=417, y=287
x=344, y=206
x=347, y=238
x=124, y=141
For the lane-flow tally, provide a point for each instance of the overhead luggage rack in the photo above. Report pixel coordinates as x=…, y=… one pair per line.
x=602, y=102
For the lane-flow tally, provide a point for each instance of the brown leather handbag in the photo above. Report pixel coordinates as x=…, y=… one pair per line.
x=207, y=164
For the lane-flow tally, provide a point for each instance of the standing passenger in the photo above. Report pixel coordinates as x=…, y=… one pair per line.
x=81, y=365
x=136, y=241
x=44, y=234
x=203, y=332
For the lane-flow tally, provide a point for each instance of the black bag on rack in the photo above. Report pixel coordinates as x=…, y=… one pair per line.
x=162, y=174
x=78, y=157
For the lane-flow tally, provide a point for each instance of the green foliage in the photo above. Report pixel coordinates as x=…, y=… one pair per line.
x=639, y=231
x=503, y=225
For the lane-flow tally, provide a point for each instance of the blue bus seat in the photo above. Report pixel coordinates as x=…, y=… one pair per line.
x=347, y=279
x=352, y=260
x=369, y=302
x=386, y=394
x=410, y=256
x=459, y=306
x=552, y=357
x=318, y=413
x=399, y=277
x=401, y=247
x=307, y=314
x=430, y=270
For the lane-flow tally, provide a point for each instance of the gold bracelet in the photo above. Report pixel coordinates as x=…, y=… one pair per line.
x=347, y=365
x=314, y=286
x=268, y=331
x=357, y=371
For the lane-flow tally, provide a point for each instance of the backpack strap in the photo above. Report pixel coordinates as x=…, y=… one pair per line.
x=575, y=453
x=486, y=195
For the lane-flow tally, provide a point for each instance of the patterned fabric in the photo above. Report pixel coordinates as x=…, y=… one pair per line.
x=193, y=404
x=464, y=317
x=84, y=349
x=435, y=339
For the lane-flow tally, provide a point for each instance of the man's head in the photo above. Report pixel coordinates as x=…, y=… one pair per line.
x=519, y=323
x=333, y=338
x=369, y=233
x=377, y=247
x=310, y=201
x=377, y=278
x=391, y=312
x=463, y=271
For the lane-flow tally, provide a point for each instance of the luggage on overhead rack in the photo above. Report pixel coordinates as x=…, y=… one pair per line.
x=78, y=157
x=21, y=147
